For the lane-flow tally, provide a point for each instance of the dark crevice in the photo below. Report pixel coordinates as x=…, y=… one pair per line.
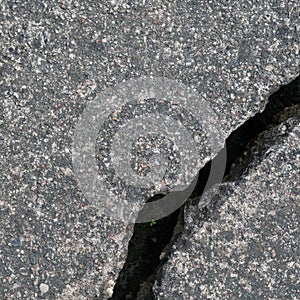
x=150, y=246
x=145, y=248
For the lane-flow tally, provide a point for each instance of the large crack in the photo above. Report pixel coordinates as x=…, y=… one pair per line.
x=150, y=246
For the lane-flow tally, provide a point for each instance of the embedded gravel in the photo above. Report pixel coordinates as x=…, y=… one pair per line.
x=56, y=57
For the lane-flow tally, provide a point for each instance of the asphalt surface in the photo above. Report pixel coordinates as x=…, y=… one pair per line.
x=247, y=245
x=55, y=58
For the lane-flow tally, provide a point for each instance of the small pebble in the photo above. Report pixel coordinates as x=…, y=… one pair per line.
x=273, y=253
x=44, y=288
x=110, y=291
x=16, y=242
x=64, y=7
x=23, y=271
x=162, y=255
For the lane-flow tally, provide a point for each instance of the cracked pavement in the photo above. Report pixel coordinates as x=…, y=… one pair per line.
x=56, y=57
x=248, y=243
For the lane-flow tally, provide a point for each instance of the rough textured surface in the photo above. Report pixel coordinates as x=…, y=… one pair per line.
x=247, y=246
x=54, y=58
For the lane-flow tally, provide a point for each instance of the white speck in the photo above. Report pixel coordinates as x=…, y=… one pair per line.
x=110, y=291
x=44, y=288
x=162, y=255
